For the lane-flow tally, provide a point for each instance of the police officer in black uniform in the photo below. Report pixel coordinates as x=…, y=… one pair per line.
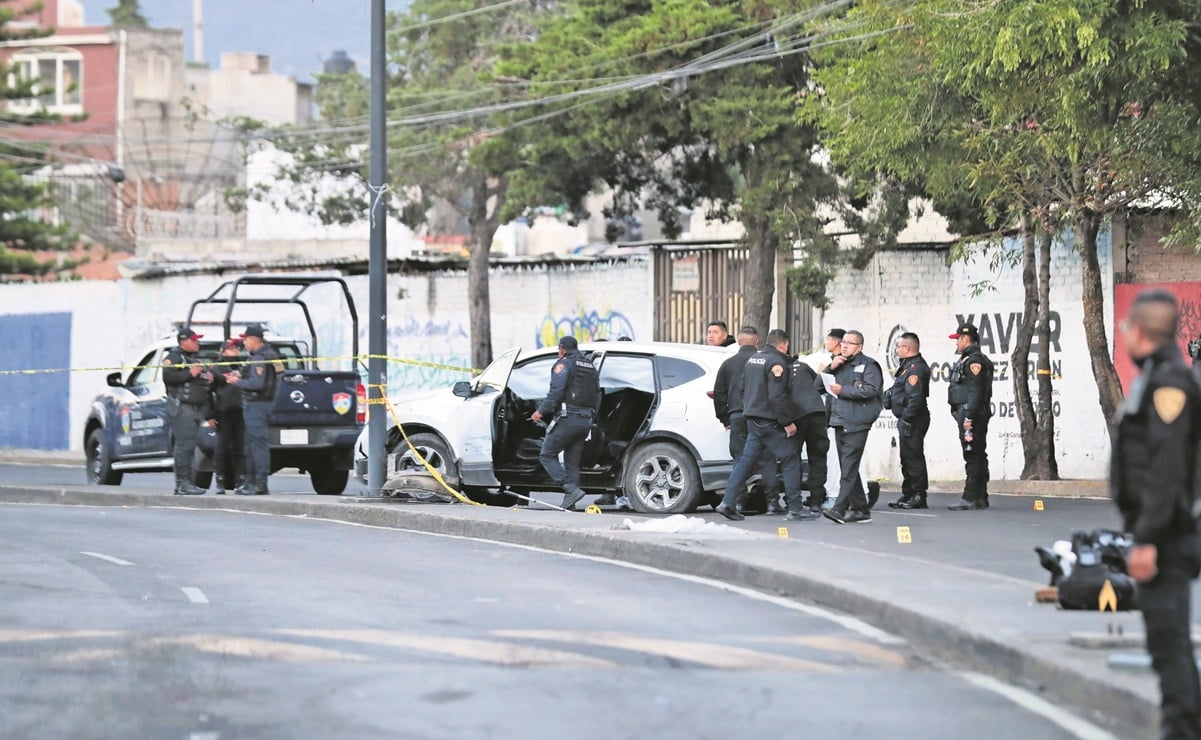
x=970, y=396
x=1153, y=479
x=806, y=396
x=907, y=400
x=727, y=389
x=257, y=381
x=230, y=452
x=188, y=383
x=769, y=428
x=572, y=401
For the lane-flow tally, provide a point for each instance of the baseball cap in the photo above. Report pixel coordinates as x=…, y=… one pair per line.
x=187, y=333
x=568, y=342
x=968, y=329
x=253, y=330
x=234, y=343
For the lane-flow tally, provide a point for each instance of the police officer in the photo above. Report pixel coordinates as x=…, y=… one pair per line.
x=970, y=396
x=857, y=402
x=1153, y=479
x=727, y=404
x=805, y=394
x=231, y=429
x=187, y=382
x=257, y=381
x=907, y=400
x=572, y=401
x=770, y=428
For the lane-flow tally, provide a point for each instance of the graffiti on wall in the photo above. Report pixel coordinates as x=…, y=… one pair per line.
x=1189, y=297
x=584, y=325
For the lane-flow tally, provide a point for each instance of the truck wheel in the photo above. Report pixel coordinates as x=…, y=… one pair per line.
x=100, y=463
x=662, y=478
x=329, y=482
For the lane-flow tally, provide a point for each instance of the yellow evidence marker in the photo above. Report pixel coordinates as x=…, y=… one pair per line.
x=593, y=509
x=1038, y=504
x=1107, y=600
x=783, y=532
x=903, y=536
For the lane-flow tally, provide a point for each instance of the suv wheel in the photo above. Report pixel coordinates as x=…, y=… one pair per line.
x=432, y=448
x=99, y=461
x=662, y=478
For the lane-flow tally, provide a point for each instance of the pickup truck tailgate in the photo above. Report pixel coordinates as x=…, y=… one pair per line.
x=315, y=398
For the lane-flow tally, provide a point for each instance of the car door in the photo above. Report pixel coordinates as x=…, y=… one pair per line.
x=477, y=419
x=627, y=385
x=517, y=440
x=143, y=415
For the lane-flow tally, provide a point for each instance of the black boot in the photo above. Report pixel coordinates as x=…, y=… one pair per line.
x=902, y=502
x=916, y=501
x=184, y=486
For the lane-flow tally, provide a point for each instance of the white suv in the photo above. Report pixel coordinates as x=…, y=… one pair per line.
x=655, y=439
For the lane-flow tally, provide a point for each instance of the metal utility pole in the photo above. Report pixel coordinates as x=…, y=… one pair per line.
x=377, y=323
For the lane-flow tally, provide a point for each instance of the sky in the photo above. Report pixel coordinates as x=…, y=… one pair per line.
x=298, y=35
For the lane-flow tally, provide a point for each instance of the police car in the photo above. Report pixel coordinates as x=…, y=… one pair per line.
x=655, y=438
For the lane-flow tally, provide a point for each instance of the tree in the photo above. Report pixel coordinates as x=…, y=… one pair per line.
x=1041, y=109
x=690, y=103
x=127, y=14
x=23, y=201
x=446, y=146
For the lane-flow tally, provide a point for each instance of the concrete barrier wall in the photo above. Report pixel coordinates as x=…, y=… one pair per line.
x=917, y=290
x=89, y=326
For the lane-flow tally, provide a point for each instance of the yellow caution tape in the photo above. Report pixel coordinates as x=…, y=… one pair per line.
x=240, y=363
x=421, y=459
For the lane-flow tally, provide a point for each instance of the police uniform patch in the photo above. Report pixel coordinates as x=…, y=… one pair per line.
x=777, y=370
x=912, y=380
x=1169, y=402
x=558, y=368
x=975, y=367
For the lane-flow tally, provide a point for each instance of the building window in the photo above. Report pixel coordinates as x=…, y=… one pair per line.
x=57, y=77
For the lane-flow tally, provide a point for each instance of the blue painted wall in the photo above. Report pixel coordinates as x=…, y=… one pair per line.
x=34, y=408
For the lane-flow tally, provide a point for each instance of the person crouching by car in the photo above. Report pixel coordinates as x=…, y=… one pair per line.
x=229, y=456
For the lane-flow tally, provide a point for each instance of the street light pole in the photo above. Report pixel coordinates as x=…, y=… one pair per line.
x=377, y=266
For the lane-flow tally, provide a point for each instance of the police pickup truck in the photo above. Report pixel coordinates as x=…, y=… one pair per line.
x=316, y=419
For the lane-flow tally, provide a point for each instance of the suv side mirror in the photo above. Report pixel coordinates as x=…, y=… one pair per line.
x=114, y=380
x=462, y=389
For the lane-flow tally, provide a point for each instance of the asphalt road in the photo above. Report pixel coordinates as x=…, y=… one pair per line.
x=164, y=623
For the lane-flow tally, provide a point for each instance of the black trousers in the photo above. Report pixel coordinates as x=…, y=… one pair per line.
x=185, y=427
x=813, y=439
x=229, y=457
x=914, y=478
x=851, y=495
x=975, y=460
x=766, y=441
x=257, y=446
x=1165, y=604
x=568, y=435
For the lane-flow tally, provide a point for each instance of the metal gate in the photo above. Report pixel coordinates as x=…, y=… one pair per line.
x=696, y=283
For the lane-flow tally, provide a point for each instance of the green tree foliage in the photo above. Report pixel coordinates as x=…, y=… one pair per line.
x=127, y=14
x=708, y=123
x=23, y=202
x=1063, y=112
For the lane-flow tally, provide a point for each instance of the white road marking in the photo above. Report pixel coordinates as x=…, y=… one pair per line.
x=195, y=595
x=489, y=651
x=724, y=657
x=204, y=736
x=906, y=513
x=253, y=647
x=1036, y=705
x=108, y=558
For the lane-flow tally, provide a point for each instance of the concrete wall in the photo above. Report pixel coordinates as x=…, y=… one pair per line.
x=917, y=290
x=106, y=324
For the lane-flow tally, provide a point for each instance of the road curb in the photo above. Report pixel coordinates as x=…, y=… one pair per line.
x=944, y=639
